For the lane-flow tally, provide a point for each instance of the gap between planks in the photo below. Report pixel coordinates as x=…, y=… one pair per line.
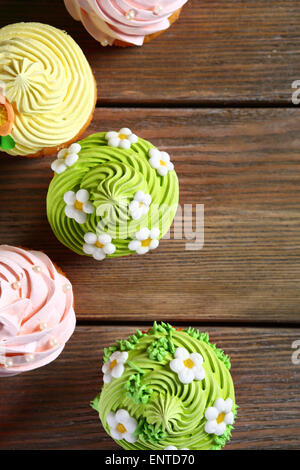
x=101, y=104
x=225, y=324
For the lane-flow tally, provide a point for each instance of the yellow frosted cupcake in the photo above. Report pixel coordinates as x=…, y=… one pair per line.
x=47, y=90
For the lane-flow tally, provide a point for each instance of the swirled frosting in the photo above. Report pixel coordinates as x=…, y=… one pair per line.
x=48, y=80
x=110, y=179
x=126, y=20
x=163, y=410
x=36, y=310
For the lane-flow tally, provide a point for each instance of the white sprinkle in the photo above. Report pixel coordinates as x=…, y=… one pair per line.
x=157, y=9
x=16, y=285
x=36, y=269
x=8, y=363
x=53, y=342
x=44, y=326
x=130, y=14
x=29, y=357
x=66, y=288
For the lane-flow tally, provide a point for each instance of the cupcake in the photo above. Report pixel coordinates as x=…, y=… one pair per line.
x=47, y=90
x=123, y=22
x=36, y=310
x=167, y=389
x=113, y=194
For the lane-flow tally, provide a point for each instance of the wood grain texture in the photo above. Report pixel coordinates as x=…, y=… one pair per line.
x=243, y=165
x=49, y=408
x=217, y=52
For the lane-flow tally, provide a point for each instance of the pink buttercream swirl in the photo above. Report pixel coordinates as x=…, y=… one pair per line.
x=127, y=20
x=36, y=310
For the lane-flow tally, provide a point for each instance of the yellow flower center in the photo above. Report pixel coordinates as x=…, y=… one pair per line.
x=140, y=204
x=100, y=245
x=146, y=242
x=3, y=114
x=189, y=363
x=163, y=163
x=113, y=364
x=221, y=418
x=121, y=428
x=123, y=136
x=78, y=205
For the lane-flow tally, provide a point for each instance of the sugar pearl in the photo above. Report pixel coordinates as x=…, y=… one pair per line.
x=66, y=288
x=157, y=9
x=130, y=14
x=9, y=363
x=29, y=357
x=16, y=285
x=104, y=42
x=44, y=326
x=36, y=269
x=53, y=342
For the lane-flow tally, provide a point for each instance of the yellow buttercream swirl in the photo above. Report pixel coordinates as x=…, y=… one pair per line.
x=49, y=82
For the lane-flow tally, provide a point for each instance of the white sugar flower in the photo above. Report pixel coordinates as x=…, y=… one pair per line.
x=122, y=426
x=140, y=205
x=66, y=157
x=122, y=139
x=187, y=366
x=145, y=240
x=114, y=367
x=98, y=246
x=175, y=448
x=78, y=205
x=218, y=416
x=160, y=161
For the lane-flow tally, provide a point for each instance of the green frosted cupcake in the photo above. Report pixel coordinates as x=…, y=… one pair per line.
x=113, y=194
x=167, y=389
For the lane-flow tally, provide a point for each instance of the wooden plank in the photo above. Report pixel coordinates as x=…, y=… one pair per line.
x=243, y=165
x=49, y=408
x=225, y=52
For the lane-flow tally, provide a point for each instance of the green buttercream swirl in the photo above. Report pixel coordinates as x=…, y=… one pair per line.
x=172, y=413
x=112, y=176
x=205, y=337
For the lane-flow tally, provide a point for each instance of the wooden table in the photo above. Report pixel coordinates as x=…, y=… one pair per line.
x=215, y=91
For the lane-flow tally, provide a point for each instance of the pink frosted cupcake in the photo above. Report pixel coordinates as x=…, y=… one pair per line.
x=36, y=310
x=125, y=22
